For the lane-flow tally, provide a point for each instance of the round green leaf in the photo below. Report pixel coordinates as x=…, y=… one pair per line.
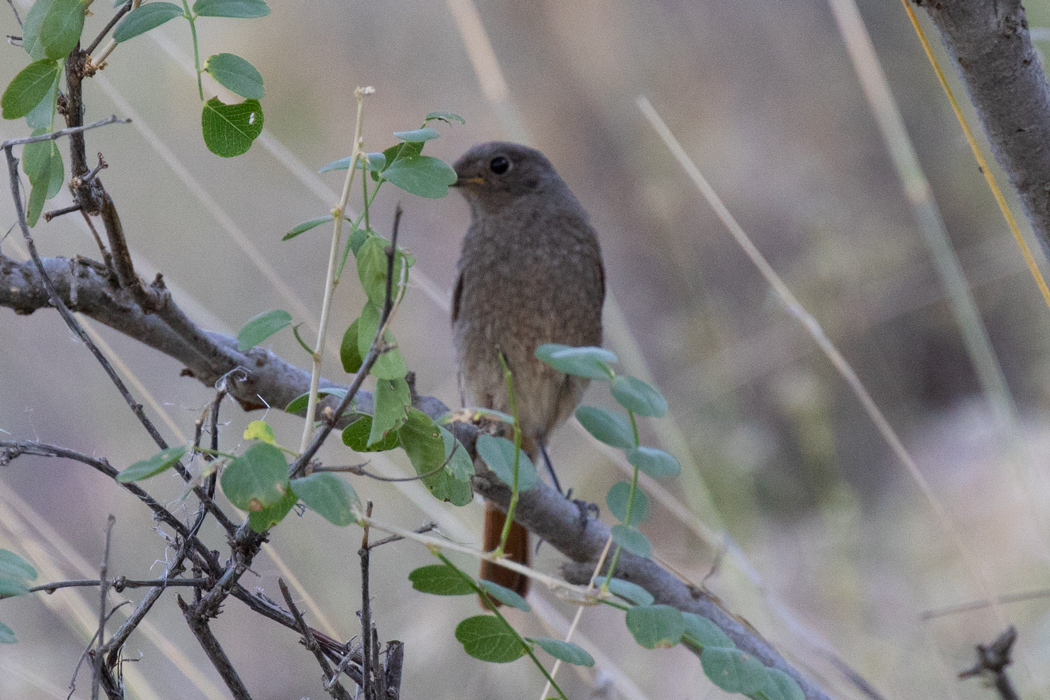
x=656, y=626
x=236, y=75
x=734, y=671
x=266, y=517
x=28, y=88
x=306, y=226
x=42, y=164
x=439, y=579
x=15, y=566
x=240, y=9
x=425, y=446
x=260, y=430
x=505, y=595
x=704, y=633
x=257, y=479
x=425, y=176
x=656, y=463
x=146, y=468
x=566, y=651
x=417, y=135
x=392, y=400
x=459, y=462
x=447, y=117
x=783, y=686
x=630, y=592
x=300, y=402
x=11, y=587
x=355, y=436
x=590, y=362
x=349, y=355
x=42, y=116
x=498, y=454
x=635, y=395
x=632, y=540
x=610, y=428
x=488, y=638
x=229, y=130
x=144, y=18
x=333, y=498
x=7, y=635
x=617, y=497
x=261, y=327
x=61, y=27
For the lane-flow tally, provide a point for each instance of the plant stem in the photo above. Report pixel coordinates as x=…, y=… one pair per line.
x=509, y=520
x=330, y=278
x=630, y=507
x=191, y=18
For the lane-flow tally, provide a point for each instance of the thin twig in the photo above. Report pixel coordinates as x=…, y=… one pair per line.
x=100, y=635
x=367, y=669
x=332, y=684
x=124, y=9
x=55, y=213
x=112, y=119
x=216, y=654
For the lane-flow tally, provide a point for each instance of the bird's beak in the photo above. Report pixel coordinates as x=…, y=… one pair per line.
x=464, y=181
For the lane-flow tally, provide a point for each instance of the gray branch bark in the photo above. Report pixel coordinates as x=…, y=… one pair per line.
x=992, y=49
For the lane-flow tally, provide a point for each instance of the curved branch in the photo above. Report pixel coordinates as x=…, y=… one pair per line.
x=259, y=377
x=990, y=44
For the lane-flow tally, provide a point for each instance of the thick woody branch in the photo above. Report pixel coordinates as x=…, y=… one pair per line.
x=991, y=47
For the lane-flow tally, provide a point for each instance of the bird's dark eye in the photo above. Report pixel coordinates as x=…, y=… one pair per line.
x=499, y=165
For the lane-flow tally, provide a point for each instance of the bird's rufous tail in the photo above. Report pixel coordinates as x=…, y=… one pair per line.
x=517, y=550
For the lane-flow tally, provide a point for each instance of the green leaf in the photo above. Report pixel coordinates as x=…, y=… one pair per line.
x=61, y=27
x=610, y=428
x=42, y=116
x=425, y=446
x=635, y=395
x=425, y=176
x=257, y=479
x=300, y=402
x=424, y=134
x=566, y=651
x=10, y=587
x=7, y=635
x=229, y=130
x=42, y=164
x=235, y=74
x=349, y=355
x=488, y=638
x=355, y=436
x=260, y=430
x=590, y=362
x=35, y=205
x=504, y=595
x=15, y=566
x=144, y=18
x=374, y=162
x=617, y=497
x=439, y=579
x=630, y=592
x=146, y=468
x=266, y=517
x=447, y=117
x=261, y=327
x=704, y=633
x=371, y=269
x=498, y=454
x=392, y=400
x=240, y=9
x=656, y=626
x=733, y=671
x=632, y=540
x=782, y=686
x=390, y=364
x=306, y=226
x=656, y=463
x=460, y=464
x=28, y=88
x=34, y=21
x=331, y=497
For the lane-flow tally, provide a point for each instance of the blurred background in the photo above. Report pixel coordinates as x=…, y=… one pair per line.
x=791, y=506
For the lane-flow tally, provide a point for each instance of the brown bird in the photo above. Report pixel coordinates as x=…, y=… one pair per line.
x=530, y=272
